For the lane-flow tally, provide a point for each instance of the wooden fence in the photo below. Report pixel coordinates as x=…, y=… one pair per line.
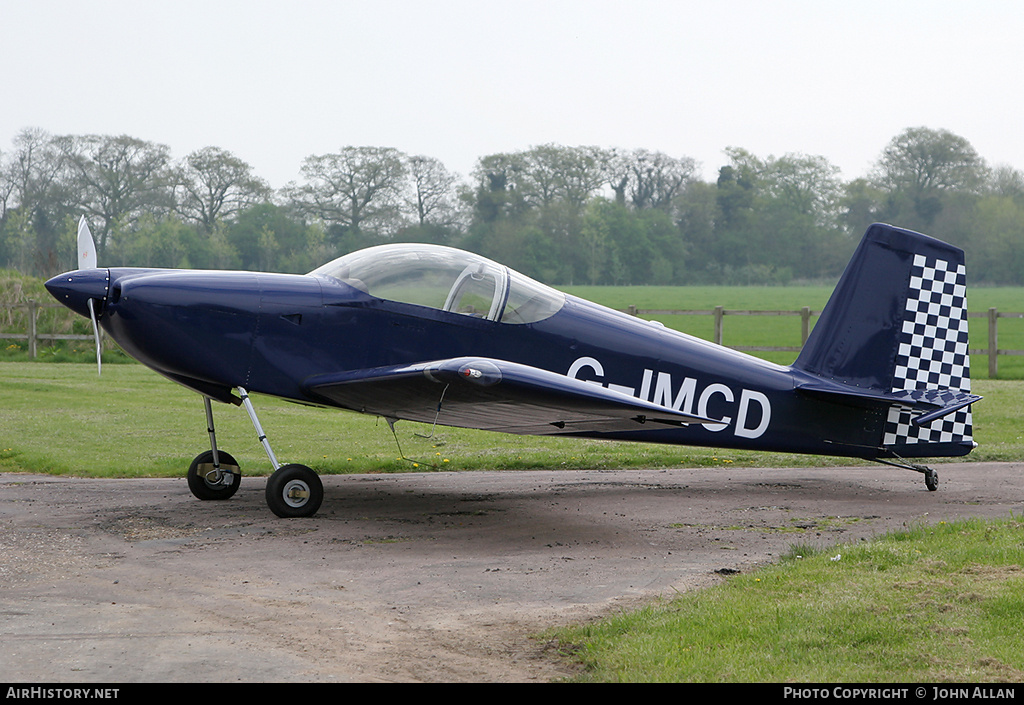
x=992, y=351
x=32, y=336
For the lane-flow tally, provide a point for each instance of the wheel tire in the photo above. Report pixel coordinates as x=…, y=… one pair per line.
x=206, y=490
x=931, y=480
x=294, y=491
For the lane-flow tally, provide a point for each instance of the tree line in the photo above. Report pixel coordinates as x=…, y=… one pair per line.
x=562, y=214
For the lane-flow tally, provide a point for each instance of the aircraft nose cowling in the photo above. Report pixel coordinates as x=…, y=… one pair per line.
x=194, y=326
x=74, y=289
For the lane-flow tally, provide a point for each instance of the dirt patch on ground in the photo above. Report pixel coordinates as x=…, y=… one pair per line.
x=431, y=577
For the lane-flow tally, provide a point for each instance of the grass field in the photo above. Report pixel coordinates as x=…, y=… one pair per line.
x=130, y=422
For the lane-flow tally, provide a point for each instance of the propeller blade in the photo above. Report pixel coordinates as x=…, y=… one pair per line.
x=96, y=334
x=87, y=260
x=86, y=246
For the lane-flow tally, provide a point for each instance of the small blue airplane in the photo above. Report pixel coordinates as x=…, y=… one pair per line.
x=441, y=336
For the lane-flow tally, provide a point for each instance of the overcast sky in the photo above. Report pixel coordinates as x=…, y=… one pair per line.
x=274, y=82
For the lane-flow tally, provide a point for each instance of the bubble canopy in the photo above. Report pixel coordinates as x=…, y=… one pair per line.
x=447, y=279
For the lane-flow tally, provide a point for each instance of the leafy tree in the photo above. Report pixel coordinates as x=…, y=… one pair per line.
x=32, y=172
x=554, y=173
x=697, y=215
x=1006, y=181
x=860, y=206
x=995, y=248
x=919, y=167
x=621, y=245
x=782, y=213
x=500, y=191
x=165, y=242
x=270, y=237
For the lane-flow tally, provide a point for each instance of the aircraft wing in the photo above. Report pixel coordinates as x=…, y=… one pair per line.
x=494, y=395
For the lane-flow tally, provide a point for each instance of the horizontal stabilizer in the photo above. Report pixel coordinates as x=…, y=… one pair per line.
x=491, y=394
x=929, y=405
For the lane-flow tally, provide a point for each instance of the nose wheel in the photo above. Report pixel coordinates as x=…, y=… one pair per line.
x=210, y=480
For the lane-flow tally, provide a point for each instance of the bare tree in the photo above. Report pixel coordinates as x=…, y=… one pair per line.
x=6, y=186
x=212, y=184
x=352, y=188
x=649, y=179
x=569, y=174
x=433, y=192
x=33, y=168
x=116, y=179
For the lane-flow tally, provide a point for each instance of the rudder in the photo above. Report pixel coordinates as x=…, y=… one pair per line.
x=895, y=330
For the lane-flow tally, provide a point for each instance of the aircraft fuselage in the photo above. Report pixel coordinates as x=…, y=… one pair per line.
x=270, y=333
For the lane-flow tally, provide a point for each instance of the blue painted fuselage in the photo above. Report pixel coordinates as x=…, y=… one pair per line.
x=272, y=333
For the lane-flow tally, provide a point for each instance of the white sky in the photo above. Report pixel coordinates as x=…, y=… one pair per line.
x=274, y=82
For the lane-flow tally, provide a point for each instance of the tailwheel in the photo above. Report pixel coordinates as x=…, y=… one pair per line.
x=210, y=482
x=294, y=491
x=931, y=478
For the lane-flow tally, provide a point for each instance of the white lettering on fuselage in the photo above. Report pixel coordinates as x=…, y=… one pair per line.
x=686, y=399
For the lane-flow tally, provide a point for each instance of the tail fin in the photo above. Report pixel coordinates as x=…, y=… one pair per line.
x=895, y=333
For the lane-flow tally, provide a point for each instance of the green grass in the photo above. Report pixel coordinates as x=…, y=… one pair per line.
x=933, y=604
x=131, y=422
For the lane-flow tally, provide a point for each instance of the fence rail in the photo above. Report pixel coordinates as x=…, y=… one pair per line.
x=992, y=351
x=32, y=335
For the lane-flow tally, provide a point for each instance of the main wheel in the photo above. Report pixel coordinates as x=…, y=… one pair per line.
x=931, y=480
x=294, y=491
x=203, y=481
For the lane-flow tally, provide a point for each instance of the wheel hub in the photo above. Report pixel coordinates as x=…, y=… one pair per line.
x=296, y=493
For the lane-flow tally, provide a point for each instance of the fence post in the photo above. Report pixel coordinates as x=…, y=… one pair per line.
x=805, y=324
x=719, y=314
x=993, y=343
x=632, y=310
x=33, y=308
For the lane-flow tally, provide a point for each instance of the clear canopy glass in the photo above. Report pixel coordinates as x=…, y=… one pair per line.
x=447, y=279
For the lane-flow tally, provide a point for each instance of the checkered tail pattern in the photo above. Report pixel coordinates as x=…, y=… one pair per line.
x=932, y=354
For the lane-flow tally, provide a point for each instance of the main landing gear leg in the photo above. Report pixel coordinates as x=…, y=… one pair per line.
x=293, y=490
x=213, y=474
